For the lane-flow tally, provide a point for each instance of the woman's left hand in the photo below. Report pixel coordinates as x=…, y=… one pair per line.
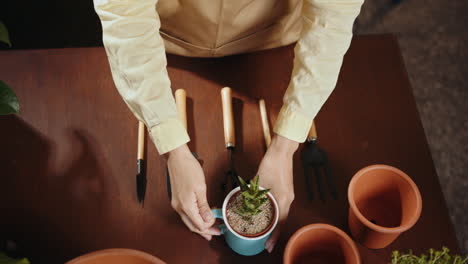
x=276, y=173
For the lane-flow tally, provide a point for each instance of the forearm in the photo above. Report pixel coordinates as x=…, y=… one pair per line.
x=138, y=63
x=325, y=38
x=285, y=146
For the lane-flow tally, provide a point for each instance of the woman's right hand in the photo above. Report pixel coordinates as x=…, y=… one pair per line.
x=189, y=192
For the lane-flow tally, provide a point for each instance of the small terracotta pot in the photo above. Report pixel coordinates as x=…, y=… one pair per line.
x=383, y=203
x=116, y=256
x=321, y=243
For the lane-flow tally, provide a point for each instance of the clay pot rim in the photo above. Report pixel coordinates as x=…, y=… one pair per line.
x=369, y=224
x=115, y=251
x=264, y=233
x=317, y=226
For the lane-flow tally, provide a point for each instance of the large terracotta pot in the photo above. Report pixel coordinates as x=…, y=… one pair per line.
x=320, y=244
x=383, y=203
x=116, y=256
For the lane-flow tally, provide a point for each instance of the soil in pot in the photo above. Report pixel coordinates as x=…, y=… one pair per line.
x=254, y=225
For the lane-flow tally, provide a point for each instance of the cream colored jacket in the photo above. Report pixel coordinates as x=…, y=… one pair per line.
x=137, y=33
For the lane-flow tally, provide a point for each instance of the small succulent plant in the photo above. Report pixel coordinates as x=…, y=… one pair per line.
x=432, y=257
x=252, y=197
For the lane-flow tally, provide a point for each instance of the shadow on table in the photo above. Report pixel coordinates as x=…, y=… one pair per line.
x=191, y=124
x=39, y=203
x=253, y=75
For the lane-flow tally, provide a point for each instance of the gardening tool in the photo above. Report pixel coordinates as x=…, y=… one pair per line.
x=265, y=126
x=141, y=168
x=229, y=138
x=316, y=159
x=181, y=103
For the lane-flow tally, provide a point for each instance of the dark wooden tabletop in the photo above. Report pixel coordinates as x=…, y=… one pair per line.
x=68, y=161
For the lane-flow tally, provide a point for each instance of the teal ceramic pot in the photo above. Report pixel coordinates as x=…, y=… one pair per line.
x=243, y=245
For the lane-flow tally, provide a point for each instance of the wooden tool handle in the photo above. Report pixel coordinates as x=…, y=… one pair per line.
x=181, y=102
x=228, y=119
x=265, y=126
x=312, y=133
x=141, y=140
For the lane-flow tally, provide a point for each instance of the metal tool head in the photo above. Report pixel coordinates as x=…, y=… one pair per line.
x=313, y=154
x=141, y=181
x=315, y=159
x=230, y=179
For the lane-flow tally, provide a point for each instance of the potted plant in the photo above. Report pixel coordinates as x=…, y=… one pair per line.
x=431, y=257
x=250, y=213
x=8, y=100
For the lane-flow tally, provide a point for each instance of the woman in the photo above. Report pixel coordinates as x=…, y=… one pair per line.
x=137, y=33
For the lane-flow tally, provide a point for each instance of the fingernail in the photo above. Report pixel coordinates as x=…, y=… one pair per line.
x=267, y=246
x=270, y=248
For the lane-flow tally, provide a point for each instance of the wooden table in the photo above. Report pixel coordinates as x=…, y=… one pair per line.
x=68, y=161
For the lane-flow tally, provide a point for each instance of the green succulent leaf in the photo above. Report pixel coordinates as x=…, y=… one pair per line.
x=252, y=197
x=257, y=182
x=8, y=101
x=4, y=37
x=248, y=195
x=243, y=185
x=254, y=183
x=262, y=201
x=261, y=193
x=249, y=205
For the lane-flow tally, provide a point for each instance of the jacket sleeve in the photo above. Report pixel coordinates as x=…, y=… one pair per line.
x=325, y=38
x=137, y=60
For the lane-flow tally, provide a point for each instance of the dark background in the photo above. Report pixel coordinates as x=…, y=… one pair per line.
x=432, y=35
x=51, y=23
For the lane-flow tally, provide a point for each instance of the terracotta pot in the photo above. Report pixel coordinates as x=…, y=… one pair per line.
x=321, y=243
x=116, y=256
x=383, y=203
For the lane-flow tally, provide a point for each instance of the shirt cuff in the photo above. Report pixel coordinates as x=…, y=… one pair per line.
x=292, y=124
x=169, y=135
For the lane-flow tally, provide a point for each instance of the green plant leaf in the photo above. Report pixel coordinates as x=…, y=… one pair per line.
x=4, y=259
x=248, y=195
x=432, y=257
x=8, y=101
x=262, y=193
x=4, y=37
x=257, y=182
x=249, y=204
x=262, y=201
x=243, y=184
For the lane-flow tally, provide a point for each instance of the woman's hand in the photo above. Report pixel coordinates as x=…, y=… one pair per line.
x=189, y=192
x=276, y=173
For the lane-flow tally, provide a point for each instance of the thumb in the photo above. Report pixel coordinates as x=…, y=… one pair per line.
x=204, y=209
x=271, y=242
